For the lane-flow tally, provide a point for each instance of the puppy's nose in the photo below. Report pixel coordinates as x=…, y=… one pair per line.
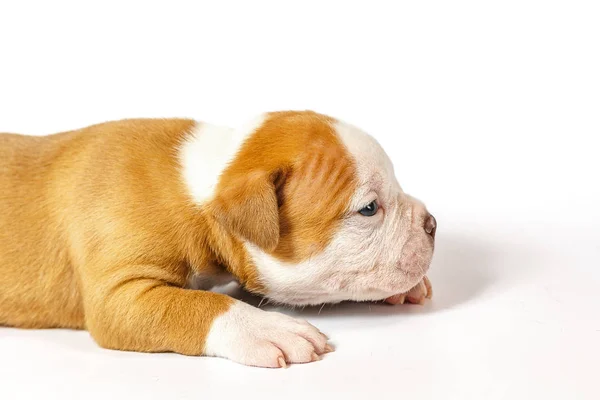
x=430, y=225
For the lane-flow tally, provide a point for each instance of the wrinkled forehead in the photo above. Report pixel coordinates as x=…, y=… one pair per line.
x=374, y=169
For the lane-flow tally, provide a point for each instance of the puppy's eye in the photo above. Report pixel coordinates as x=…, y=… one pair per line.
x=370, y=209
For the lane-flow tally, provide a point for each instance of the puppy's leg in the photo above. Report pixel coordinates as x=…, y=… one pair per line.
x=147, y=314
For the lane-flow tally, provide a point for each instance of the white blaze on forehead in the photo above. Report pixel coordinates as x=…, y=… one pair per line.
x=207, y=152
x=372, y=162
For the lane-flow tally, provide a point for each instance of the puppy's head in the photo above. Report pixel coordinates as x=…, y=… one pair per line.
x=317, y=208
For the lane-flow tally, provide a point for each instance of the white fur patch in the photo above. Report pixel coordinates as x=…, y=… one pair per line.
x=251, y=336
x=372, y=161
x=207, y=152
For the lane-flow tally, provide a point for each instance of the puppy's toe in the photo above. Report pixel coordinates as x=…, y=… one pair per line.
x=416, y=295
x=420, y=292
x=296, y=349
x=260, y=353
x=396, y=299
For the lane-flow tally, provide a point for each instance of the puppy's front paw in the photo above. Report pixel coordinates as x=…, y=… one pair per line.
x=251, y=336
x=416, y=295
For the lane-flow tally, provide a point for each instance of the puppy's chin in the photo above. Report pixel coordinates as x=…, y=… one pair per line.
x=376, y=285
x=414, y=274
x=377, y=293
x=416, y=258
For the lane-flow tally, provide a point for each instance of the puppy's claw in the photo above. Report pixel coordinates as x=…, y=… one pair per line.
x=328, y=348
x=281, y=362
x=427, y=283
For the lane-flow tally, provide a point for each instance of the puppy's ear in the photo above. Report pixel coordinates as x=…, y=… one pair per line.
x=247, y=206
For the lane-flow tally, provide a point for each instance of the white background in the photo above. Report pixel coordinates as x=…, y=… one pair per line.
x=490, y=112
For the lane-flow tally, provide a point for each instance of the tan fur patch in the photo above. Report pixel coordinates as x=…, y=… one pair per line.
x=294, y=161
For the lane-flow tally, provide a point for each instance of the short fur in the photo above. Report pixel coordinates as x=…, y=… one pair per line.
x=105, y=229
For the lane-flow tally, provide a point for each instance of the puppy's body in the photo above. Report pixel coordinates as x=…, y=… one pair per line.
x=39, y=287
x=91, y=212
x=106, y=228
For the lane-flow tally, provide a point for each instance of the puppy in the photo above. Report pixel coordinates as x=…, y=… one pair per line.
x=111, y=227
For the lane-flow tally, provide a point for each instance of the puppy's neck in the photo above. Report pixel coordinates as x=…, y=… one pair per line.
x=204, y=154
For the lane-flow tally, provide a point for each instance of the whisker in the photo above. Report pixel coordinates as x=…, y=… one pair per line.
x=321, y=309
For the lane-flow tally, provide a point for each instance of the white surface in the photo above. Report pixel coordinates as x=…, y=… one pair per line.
x=497, y=104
